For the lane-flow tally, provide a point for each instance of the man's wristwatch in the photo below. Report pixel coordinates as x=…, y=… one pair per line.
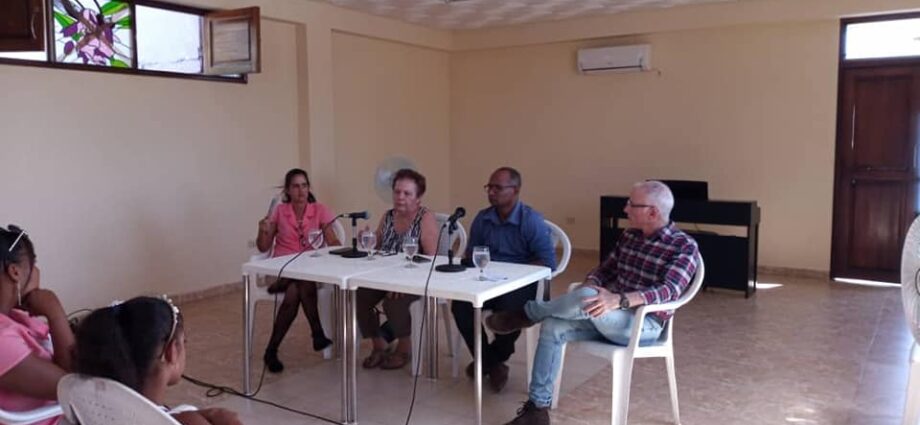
x=624, y=302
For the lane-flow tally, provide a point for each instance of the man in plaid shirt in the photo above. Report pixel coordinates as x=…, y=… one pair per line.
x=653, y=263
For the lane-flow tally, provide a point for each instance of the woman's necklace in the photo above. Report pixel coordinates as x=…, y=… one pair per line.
x=299, y=227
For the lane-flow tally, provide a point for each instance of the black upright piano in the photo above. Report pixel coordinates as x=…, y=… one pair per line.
x=731, y=261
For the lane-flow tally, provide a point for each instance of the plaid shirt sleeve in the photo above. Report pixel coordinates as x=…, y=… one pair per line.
x=679, y=271
x=606, y=273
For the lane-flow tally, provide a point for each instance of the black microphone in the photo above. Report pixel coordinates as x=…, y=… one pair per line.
x=459, y=213
x=364, y=215
x=451, y=225
x=353, y=252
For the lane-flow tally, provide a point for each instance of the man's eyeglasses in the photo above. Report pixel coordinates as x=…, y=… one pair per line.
x=630, y=204
x=496, y=187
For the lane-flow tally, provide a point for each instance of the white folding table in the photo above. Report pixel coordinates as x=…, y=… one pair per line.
x=462, y=286
x=330, y=269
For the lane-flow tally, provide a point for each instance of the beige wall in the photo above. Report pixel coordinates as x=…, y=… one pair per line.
x=168, y=208
x=391, y=99
x=750, y=109
x=132, y=185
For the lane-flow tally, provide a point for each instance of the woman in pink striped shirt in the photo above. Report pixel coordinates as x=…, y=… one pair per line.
x=285, y=231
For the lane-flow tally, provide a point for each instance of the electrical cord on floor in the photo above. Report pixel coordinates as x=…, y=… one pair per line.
x=424, y=300
x=217, y=390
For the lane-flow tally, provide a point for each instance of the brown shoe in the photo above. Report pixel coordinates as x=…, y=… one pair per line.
x=395, y=360
x=498, y=377
x=530, y=414
x=374, y=359
x=506, y=322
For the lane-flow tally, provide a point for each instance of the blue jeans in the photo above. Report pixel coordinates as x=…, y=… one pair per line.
x=564, y=320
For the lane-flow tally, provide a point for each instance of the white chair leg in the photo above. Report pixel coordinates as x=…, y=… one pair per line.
x=622, y=375
x=672, y=384
x=448, y=327
x=252, y=320
x=557, y=383
x=912, y=401
x=415, y=311
x=326, y=309
x=456, y=344
x=531, y=338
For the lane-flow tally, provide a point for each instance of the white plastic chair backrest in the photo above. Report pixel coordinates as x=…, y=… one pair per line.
x=339, y=232
x=695, y=284
x=560, y=238
x=98, y=401
x=459, y=236
x=29, y=416
x=684, y=298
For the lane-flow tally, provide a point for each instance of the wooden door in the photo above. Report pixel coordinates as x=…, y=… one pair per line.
x=875, y=194
x=22, y=25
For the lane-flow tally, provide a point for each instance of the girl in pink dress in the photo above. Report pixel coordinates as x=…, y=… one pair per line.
x=30, y=366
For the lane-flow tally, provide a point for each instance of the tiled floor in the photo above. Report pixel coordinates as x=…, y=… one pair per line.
x=804, y=352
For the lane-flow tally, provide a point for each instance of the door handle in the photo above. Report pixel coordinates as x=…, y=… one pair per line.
x=32, y=24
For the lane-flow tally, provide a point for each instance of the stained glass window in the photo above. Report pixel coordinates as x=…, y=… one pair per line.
x=93, y=32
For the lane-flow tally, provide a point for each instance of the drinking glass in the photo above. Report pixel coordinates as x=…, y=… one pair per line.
x=481, y=260
x=369, y=243
x=315, y=236
x=410, y=248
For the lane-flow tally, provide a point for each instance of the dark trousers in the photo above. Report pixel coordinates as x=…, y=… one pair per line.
x=502, y=346
x=396, y=309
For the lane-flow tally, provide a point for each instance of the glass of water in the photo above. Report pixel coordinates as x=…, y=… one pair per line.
x=315, y=236
x=410, y=248
x=481, y=260
x=369, y=243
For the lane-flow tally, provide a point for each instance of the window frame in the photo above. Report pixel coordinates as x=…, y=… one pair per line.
x=872, y=62
x=49, y=63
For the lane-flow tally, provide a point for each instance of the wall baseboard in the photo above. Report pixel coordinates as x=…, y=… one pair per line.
x=791, y=272
x=203, y=294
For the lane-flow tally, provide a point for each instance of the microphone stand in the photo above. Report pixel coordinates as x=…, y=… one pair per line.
x=450, y=267
x=354, y=252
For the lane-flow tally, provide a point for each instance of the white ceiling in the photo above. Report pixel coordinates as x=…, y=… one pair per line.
x=472, y=14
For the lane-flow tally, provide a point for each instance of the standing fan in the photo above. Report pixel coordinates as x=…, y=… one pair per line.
x=910, y=296
x=383, y=178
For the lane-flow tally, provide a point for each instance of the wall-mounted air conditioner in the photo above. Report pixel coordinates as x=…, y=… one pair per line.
x=615, y=59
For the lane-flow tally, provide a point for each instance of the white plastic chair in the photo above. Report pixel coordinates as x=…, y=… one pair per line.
x=98, y=401
x=532, y=334
x=29, y=416
x=323, y=295
x=416, y=308
x=621, y=358
x=912, y=402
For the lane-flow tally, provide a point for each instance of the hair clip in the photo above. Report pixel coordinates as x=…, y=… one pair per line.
x=16, y=242
x=175, y=316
